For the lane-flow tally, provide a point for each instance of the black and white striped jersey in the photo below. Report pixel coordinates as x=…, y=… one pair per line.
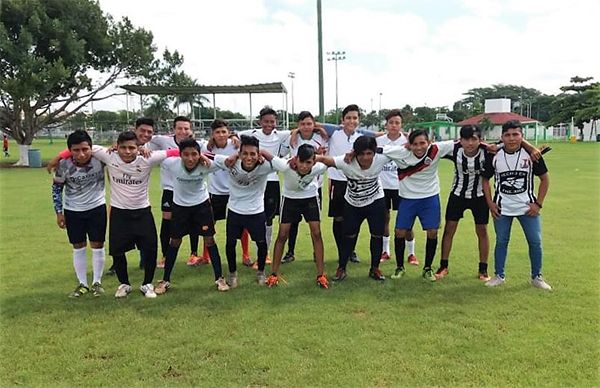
x=468, y=171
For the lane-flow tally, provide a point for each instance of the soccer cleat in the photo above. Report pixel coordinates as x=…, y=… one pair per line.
x=340, y=274
x=232, y=280
x=162, y=287
x=247, y=262
x=272, y=280
x=322, y=281
x=79, y=291
x=122, y=291
x=354, y=258
x=398, y=273
x=221, y=284
x=428, y=275
x=385, y=257
x=539, y=282
x=97, y=289
x=260, y=278
x=288, y=258
x=412, y=260
x=148, y=290
x=484, y=277
x=443, y=271
x=495, y=281
x=375, y=273
x=193, y=261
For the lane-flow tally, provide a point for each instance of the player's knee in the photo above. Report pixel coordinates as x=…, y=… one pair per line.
x=97, y=244
x=80, y=245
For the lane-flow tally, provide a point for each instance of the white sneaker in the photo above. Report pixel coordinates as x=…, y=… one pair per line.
x=261, y=279
x=495, y=281
x=148, y=290
x=122, y=291
x=232, y=280
x=539, y=282
x=221, y=284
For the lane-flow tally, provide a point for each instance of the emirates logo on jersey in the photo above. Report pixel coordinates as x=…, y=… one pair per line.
x=428, y=161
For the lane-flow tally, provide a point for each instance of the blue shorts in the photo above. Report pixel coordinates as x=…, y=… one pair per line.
x=427, y=209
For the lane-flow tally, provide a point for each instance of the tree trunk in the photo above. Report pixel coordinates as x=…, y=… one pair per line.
x=23, y=156
x=23, y=132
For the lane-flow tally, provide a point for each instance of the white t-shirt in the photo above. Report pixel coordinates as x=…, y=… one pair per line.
x=296, y=186
x=189, y=187
x=246, y=188
x=419, y=176
x=339, y=145
x=275, y=143
x=364, y=186
x=316, y=141
x=84, y=185
x=219, y=180
x=389, y=174
x=128, y=181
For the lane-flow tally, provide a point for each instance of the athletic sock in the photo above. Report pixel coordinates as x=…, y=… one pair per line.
x=149, y=265
x=120, y=266
x=215, y=260
x=269, y=235
x=230, y=253
x=375, y=248
x=98, y=259
x=261, y=253
x=292, y=237
x=444, y=263
x=386, y=244
x=80, y=265
x=399, y=245
x=483, y=267
x=245, y=244
x=165, y=235
x=205, y=254
x=430, y=248
x=194, y=238
x=410, y=245
x=338, y=234
x=170, y=257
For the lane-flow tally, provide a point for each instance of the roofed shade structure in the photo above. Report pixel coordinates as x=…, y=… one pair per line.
x=273, y=87
x=497, y=118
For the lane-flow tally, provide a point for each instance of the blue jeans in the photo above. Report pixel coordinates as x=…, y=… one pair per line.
x=533, y=233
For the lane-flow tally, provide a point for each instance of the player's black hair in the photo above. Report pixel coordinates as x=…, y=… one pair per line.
x=248, y=141
x=144, y=120
x=415, y=133
x=77, y=137
x=512, y=124
x=304, y=114
x=189, y=143
x=469, y=131
x=394, y=113
x=267, y=110
x=305, y=152
x=364, y=143
x=181, y=118
x=218, y=123
x=126, y=136
x=351, y=108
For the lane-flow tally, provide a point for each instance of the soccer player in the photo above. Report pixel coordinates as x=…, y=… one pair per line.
x=5, y=146
x=182, y=130
x=389, y=181
x=191, y=210
x=84, y=211
x=246, y=208
x=300, y=198
x=513, y=170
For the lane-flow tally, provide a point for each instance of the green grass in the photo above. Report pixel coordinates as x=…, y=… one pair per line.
x=359, y=333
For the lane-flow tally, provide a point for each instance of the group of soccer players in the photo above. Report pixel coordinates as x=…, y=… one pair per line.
x=235, y=176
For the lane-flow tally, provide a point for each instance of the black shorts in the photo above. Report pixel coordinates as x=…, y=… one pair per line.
x=456, y=207
x=272, y=200
x=374, y=214
x=90, y=223
x=391, y=199
x=166, y=202
x=254, y=223
x=219, y=206
x=337, y=202
x=192, y=220
x=131, y=228
x=293, y=209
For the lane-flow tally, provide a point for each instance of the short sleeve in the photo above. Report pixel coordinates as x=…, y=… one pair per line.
x=539, y=167
x=488, y=169
x=445, y=147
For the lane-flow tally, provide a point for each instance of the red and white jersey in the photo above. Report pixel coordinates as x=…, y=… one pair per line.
x=275, y=142
x=389, y=174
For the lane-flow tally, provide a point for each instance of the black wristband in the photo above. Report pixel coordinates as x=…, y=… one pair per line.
x=539, y=204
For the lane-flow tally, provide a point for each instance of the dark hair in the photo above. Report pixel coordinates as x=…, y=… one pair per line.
x=189, y=143
x=415, y=133
x=181, y=118
x=218, y=123
x=305, y=152
x=144, y=120
x=393, y=113
x=249, y=141
x=126, y=136
x=304, y=114
x=267, y=110
x=78, y=137
x=364, y=143
x=469, y=131
x=351, y=108
x=512, y=124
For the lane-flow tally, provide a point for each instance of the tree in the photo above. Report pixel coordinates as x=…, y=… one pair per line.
x=578, y=102
x=48, y=48
x=424, y=113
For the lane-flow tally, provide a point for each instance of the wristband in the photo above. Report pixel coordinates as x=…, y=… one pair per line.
x=539, y=204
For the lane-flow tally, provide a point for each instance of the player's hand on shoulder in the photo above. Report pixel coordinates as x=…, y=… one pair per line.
x=348, y=157
x=145, y=152
x=231, y=159
x=52, y=164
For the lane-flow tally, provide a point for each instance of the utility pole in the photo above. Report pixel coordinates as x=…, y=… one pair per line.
x=336, y=56
x=292, y=76
x=320, y=52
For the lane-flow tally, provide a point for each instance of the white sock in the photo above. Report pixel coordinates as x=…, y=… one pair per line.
x=410, y=245
x=386, y=244
x=98, y=260
x=269, y=236
x=80, y=265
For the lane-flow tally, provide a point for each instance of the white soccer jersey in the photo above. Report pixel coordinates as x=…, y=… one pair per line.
x=316, y=141
x=84, y=185
x=419, y=176
x=389, y=174
x=246, y=188
x=275, y=143
x=163, y=143
x=296, y=186
x=364, y=186
x=219, y=180
x=339, y=145
x=189, y=187
x=128, y=181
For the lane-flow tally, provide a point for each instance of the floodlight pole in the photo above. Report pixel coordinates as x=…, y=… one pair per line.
x=292, y=76
x=336, y=56
x=320, y=55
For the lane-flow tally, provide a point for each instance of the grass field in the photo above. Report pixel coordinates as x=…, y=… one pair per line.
x=455, y=332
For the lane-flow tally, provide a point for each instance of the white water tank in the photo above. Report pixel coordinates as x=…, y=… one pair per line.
x=497, y=105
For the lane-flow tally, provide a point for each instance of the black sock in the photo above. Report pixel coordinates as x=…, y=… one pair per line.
x=149, y=265
x=261, y=253
x=120, y=266
x=230, y=253
x=399, y=246
x=430, y=248
x=483, y=267
x=444, y=263
x=170, y=257
x=215, y=260
x=194, y=244
x=376, y=249
x=292, y=237
x=165, y=236
x=338, y=234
